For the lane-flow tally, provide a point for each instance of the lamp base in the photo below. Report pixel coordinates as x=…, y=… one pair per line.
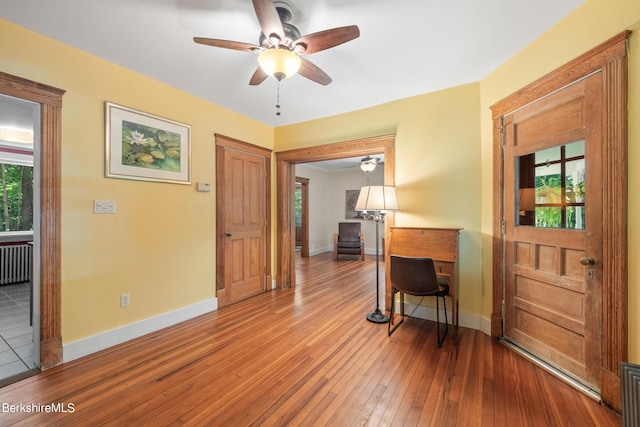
x=377, y=317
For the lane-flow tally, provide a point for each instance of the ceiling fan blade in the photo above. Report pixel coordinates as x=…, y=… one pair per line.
x=326, y=39
x=268, y=18
x=227, y=44
x=258, y=77
x=312, y=72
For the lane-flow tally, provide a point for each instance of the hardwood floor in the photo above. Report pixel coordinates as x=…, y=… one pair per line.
x=304, y=357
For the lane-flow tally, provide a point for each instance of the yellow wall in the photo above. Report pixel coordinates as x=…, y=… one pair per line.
x=588, y=26
x=437, y=165
x=160, y=245
x=154, y=248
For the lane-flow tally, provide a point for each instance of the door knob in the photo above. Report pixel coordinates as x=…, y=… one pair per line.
x=231, y=234
x=587, y=260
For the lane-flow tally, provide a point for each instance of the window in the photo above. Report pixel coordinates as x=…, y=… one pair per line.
x=16, y=197
x=17, y=118
x=551, y=191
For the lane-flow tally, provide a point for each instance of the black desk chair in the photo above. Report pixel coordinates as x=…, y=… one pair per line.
x=417, y=276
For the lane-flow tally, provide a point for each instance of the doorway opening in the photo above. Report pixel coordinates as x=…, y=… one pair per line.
x=19, y=139
x=286, y=161
x=301, y=213
x=46, y=276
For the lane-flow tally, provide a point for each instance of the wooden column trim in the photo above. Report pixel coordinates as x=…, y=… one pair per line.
x=614, y=233
x=497, y=315
x=50, y=242
x=610, y=58
x=285, y=268
x=50, y=99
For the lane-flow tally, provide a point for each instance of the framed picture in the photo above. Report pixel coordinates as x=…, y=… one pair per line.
x=350, y=211
x=145, y=147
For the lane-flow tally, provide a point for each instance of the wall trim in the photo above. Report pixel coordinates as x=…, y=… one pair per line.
x=465, y=320
x=86, y=346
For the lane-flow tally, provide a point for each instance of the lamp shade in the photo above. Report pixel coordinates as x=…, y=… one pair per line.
x=377, y=198
x=527, y=199
x=279, y=63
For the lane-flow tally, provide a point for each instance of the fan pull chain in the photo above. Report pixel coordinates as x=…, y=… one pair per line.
x=278, y=98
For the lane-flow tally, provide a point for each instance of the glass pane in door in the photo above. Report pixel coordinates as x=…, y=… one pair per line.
x=551, y=187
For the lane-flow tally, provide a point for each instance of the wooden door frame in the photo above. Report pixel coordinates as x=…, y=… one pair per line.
x=222, y=143
x=50, y=100
x=285, y=186
x=304, y=184
x=610, y=58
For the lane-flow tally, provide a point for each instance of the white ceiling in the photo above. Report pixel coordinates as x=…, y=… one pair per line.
x=405, y=48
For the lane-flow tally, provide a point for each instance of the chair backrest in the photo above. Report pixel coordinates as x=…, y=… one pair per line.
x=414, y=276
x=349, y=231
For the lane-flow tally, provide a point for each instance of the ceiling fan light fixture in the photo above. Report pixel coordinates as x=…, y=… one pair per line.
x=368, y=164
x=279, y=63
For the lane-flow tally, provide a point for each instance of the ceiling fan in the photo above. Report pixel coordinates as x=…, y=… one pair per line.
x=281, y=48
x=367, y=164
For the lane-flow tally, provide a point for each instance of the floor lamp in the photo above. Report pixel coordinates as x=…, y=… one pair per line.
x=373, y=201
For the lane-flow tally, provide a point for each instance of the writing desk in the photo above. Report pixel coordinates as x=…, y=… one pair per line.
x=439, y=244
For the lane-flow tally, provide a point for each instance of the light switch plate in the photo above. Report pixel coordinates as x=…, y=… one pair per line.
x=204, y=186
x=104, y=206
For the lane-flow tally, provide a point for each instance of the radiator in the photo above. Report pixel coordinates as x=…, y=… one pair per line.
x=630, y=382
x=15, y=263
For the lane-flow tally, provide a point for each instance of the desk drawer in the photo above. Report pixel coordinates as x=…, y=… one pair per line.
x=444, y=268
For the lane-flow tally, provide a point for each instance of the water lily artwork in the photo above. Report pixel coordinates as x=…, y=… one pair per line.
x=146, y=147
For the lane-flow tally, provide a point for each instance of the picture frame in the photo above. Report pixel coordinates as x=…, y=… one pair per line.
x=145, y=147
x=351, y=198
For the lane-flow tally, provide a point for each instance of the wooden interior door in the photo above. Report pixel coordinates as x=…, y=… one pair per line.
x=553, y=229
x=243, y=225
x=302, y=236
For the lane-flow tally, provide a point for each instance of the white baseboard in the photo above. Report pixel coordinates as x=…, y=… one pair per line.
x=465, y=320
x=485, y=326
x=314, y=252
x=367, y=251
x=85, y=346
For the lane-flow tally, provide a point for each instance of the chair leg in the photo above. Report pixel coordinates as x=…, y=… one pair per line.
x=446, y=321
x=391, y=314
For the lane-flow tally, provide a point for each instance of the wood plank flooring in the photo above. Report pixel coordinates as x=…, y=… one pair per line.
x=305, y=357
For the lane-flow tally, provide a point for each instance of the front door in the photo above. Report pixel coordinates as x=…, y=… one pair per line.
x=553, y=229
x=244, y=261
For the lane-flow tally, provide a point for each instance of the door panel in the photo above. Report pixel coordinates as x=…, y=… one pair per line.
x=244, y=225
x=553, y=225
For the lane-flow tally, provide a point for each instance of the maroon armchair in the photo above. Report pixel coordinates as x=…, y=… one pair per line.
x=349, y=240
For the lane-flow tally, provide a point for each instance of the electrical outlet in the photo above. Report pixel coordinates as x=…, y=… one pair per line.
x=124, y=300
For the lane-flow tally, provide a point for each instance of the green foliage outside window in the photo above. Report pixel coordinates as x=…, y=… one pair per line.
x=549, y=191
x=16, y=197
